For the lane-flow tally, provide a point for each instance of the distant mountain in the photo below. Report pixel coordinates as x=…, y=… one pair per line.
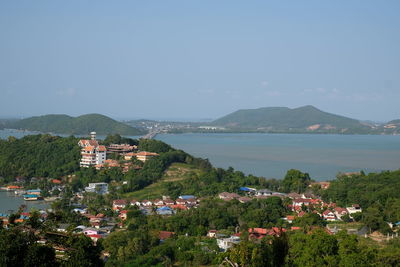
x=64, y=124
x=283, y=119
x=394, y=122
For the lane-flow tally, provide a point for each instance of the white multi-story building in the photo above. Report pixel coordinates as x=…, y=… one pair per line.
x=99, y=188
x=92, y=153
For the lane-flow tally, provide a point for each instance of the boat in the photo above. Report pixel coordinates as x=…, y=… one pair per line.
x=19, y=192
x=31, y=197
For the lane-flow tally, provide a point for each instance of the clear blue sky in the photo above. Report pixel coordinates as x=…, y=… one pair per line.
x=199, y=59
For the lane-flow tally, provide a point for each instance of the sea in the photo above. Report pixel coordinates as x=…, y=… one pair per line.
x=323, y=156
x=10, y=203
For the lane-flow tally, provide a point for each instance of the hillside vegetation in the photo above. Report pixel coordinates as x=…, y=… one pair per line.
x=64, y=124
x=283, y=119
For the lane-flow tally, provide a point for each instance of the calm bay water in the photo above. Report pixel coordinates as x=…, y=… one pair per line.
x=9, y=202
x=271, y=155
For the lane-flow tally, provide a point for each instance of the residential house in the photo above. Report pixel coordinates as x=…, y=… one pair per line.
x=169, y=202
x=123, y=215
x=147, y=203
x=212, y=233
x=165, y=234
x=158, y=202
x=339, y=212
x=354, y=209
x=99, y=188
x=225, y=243
x=119, y=204
x=263, y=192
x=329, y=215
x=135, y=202
x=145, y=156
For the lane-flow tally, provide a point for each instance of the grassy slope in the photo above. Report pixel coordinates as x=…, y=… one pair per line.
x=176, y=172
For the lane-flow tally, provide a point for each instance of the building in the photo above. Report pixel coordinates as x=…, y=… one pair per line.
x=121, y=149
x=99, y=188
x=92, y=153
x=225, y=243
x=145, y=156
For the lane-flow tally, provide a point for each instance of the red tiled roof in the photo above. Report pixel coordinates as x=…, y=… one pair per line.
x=165, y=234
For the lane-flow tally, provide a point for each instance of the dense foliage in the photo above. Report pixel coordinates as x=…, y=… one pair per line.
x=38, y=156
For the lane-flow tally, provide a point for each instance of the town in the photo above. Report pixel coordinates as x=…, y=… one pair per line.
x=102, y=209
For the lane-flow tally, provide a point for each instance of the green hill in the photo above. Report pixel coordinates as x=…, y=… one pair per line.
x=283, y=119
x=64, y=124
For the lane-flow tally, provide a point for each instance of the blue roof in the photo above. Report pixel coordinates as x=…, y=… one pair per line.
x=247, y=189
x=186, y=197
x=30, y=195
x=164, y=208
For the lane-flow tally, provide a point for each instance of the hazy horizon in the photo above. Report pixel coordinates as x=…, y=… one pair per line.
x=199, y=60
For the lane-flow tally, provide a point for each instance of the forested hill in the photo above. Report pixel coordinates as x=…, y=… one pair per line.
x=64, y=124
x=283, y=119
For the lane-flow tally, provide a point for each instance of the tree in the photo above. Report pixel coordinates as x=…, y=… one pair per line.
x=295, y=181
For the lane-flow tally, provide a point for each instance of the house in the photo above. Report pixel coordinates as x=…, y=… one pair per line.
x=99, y=188
x=121, y=149
x=145, y=156
x=63, y=227
x=191, y=201
x=212, y=233
x=354, y=209
x=298, y=202
x=263, y=192
x=165, y=234
x=329, y=215
x=339, y=212
x=169, y=202
x=257, y=233
x=135, y=202
x=248, y=189
x=180, y=201
x=119, y=204
x=147, y=203
x=178, y=207
x=91, y=231
x=123, y=215
x=290, y=218
x=225, y=243
x=158, y=202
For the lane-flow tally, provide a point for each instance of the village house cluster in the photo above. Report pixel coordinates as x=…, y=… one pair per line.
x=164, y=206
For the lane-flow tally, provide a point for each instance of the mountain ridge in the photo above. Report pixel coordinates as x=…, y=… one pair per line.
x=283, y=119
x=83, y=124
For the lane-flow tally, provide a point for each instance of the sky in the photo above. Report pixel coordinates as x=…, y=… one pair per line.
x=199, y=59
